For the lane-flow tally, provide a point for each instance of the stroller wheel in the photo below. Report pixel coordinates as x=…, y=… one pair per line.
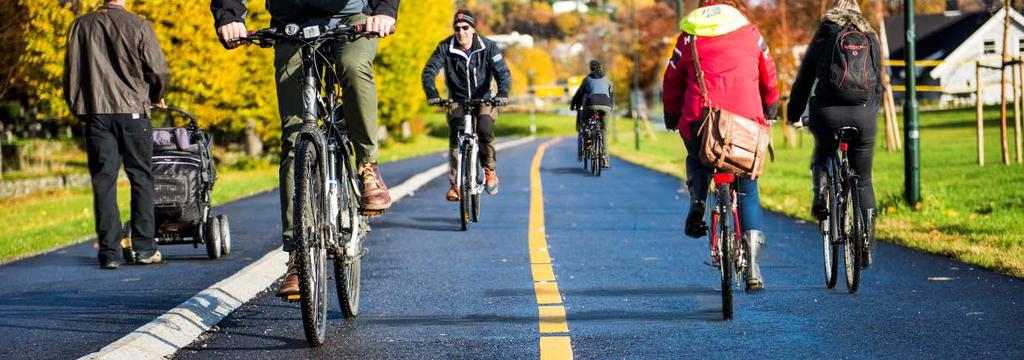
x=126, y=243
x=212, y=238
x=225, y=234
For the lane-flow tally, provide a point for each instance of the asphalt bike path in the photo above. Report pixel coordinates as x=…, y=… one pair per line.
x=62, y=305
x=606, y=273
x=429, y=290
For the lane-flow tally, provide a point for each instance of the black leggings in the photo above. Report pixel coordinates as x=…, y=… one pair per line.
x=826, y=119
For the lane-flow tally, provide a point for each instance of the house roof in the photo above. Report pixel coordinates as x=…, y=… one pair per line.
x=935, y=33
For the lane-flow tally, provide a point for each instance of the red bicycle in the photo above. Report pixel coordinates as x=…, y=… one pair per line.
x=726, y=249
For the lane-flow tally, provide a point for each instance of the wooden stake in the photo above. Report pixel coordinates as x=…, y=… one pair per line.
x=1017, y=108
x=888, y=101
x=1002, y=88
x=981, y=114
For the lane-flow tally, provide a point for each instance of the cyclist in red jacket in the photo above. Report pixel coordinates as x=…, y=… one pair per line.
x=740, y=77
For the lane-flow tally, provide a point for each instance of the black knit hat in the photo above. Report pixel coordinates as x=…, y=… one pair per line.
x=464, y=16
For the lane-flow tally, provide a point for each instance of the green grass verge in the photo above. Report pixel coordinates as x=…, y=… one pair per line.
x=968, y=211
x=40, y=222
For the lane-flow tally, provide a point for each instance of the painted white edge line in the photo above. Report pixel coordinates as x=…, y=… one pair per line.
x=180, y=326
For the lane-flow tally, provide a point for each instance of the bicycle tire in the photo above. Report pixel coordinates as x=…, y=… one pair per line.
x=830, y=234
x=465, y=192
x=475, y=200
x=308, y=218
x=347, y=276
x=847, y=234
x=725, y=242
x=599, y=153
x=579, y=147
x=855, y=240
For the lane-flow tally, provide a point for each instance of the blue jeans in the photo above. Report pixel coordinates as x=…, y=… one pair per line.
x=698, y=181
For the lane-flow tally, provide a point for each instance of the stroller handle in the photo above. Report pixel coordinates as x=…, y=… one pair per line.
x=193, y=122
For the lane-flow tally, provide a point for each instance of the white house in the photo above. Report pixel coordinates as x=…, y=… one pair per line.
x=959, y=40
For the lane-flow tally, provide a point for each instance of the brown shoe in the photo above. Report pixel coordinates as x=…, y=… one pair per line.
x=491, y=181
x=375, y=193
x=453, y=193
x=290, y=286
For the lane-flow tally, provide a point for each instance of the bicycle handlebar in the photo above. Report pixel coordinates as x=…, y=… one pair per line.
x=470, y=102
x=270, y=36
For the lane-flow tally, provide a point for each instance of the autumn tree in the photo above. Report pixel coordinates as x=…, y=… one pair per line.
x=402, y=56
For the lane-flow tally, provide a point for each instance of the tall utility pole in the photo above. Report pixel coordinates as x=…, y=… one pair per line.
x=635, y=94
x=680, y=11
x=912, y=155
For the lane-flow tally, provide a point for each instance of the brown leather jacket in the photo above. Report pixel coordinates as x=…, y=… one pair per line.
x=113, y=64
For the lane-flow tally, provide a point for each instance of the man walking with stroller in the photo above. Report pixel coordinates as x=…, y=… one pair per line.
x=114, y=70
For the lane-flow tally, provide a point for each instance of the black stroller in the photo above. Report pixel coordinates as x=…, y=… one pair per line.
x=183, y=178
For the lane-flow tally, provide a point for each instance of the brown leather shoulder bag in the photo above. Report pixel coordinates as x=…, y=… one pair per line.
x=730, y=142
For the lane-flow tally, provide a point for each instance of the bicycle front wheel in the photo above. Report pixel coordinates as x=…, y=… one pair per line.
x=726, y=239
x=309, y=219
x=830, y=234
x=466, y=191
x=854, y=238
x=353, y=229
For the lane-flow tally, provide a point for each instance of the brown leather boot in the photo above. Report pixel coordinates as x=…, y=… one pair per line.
x=453, y=193
x=375, y=193
x=290, y=286
x=491, y=181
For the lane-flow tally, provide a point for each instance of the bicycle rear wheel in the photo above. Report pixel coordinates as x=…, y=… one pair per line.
x=309, y=215
x=347, y=268
x=726, y=238
x=854, y=238
x=830, y=234
x=465, y=206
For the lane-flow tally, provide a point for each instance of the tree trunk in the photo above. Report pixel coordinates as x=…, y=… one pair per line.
x=892, y=138
x=253, y=144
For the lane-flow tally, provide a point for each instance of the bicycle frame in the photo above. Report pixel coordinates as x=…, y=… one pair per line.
x=468, y=142
x=720, y=179
x=332, y=140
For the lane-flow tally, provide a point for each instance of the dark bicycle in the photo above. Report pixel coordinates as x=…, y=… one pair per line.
x=590, y=144
x=725, y=240
x=329, y=225
x=468, y=169
x=844, y=226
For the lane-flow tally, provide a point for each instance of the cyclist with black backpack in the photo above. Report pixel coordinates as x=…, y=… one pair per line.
x=843, y=58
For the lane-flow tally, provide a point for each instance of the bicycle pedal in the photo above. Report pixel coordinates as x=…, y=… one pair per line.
x=713, y=264
x=366, y=212
x=291, y=298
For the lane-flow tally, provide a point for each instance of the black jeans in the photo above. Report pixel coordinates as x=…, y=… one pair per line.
x=113, y=139
x=486, y=116
x=826, y=118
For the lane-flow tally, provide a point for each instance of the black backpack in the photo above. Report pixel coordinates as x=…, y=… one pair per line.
x=850, y=71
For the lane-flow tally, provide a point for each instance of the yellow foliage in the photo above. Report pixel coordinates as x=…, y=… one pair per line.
x=40, y=65
x=401, y=57
x=532, y=59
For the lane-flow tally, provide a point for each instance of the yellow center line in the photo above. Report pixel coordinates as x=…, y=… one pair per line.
x=551, y=314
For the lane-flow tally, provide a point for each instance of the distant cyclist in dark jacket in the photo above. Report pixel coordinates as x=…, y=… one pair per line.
x=594, y=96
x=354, y=62
x=470, y=63
x=828, y=113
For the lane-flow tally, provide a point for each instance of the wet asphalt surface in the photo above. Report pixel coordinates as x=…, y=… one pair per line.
x=633, y=286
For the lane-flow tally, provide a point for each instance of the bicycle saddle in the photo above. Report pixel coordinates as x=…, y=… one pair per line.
x=847, y=133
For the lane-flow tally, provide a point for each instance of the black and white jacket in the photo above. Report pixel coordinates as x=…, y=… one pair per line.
x=468, y=74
